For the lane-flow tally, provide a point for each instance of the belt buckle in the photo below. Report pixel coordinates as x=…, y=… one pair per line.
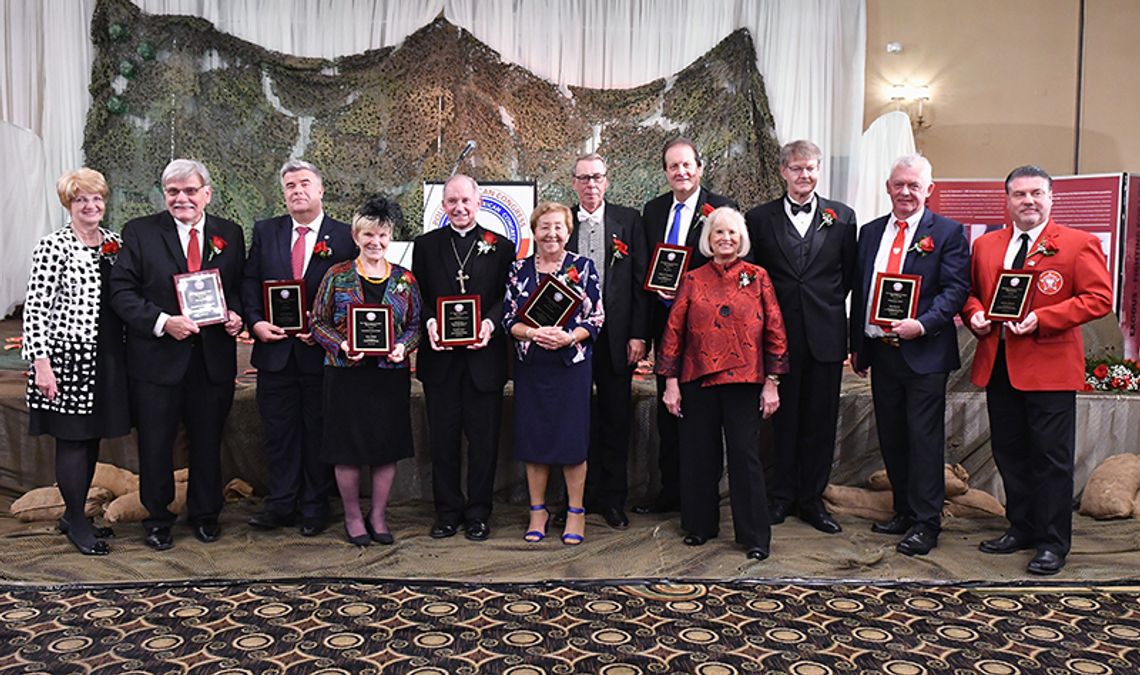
x=890, y=339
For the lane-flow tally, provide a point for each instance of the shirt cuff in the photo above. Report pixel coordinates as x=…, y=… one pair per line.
x=160, y=324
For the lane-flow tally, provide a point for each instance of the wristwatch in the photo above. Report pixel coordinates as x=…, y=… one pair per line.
x=774, y=379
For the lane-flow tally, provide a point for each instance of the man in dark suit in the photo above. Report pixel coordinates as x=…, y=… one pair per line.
x=675, y=217
x=807, y=245
x=611, y=236
x=463, y=386
x=301, y=245
x=180, y=372
x=910, y=359
x=1032, y=368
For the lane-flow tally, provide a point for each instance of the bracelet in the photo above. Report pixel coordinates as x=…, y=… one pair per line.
x=529, y=333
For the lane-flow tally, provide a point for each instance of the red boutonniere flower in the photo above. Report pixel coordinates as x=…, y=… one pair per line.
x=924, y=245
x=746, y=279
x=1046, y=248
x=707, y=209
x=109, y=249
x=572, y=275
x=405, y=283
x=827, y=218
x=487, y=243
x=322, y=250
x=620, y=249
x=217, y=245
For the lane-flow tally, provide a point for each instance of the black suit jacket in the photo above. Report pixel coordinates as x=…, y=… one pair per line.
x=434, y=266
x=142, y=287
x=626, y=304
x=656, y=217
x=271, y=259
x=812, y=300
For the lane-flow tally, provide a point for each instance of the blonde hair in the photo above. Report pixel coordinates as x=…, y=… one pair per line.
x=548, y=207
x=72, y=183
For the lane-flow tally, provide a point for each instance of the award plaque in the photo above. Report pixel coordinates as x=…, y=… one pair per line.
x=459, y=318
x=1012, y=296
x=666, y=267
x=552, y=304
x=285, y=304
x=370, y=329
x=894, y=297
x=200, y=297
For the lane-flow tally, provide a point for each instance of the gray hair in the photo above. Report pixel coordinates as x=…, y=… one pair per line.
x=805, y=149
x=299, y=165
x=181, y=169
x=915, y=161
x=590, y=157
x=462, y=176
x=731, y=217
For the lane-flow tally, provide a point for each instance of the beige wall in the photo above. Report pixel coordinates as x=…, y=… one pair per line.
x=1003, y=76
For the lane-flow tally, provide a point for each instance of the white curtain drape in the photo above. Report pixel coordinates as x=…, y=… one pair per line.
x=888, y=138
x=810, y=52
x=24, y=218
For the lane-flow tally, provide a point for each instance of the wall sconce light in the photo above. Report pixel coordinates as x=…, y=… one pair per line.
x=912, y=98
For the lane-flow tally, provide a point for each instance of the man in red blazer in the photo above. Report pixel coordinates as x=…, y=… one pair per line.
x=1032, y=368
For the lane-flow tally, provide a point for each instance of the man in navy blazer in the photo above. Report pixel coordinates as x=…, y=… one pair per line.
x=301, y=245
x=675, y=217
x=910, y=359
x=807, y=245
x=179, y=372
x=611, y=236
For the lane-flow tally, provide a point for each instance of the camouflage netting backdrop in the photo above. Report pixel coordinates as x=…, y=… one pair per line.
x=387, y=119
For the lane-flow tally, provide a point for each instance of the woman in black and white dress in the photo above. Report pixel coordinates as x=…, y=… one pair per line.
x=77, y=389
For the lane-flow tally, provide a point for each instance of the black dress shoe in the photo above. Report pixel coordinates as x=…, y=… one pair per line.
x=477, y=530
x=919, y=541
x=1006, y=543
x=821, y=520
x=695, y=540
x=311, y=527
x=615, y=518
x=659, y=505
x=896, y=525
x=443, y=530
x=159, y=538
x=207, y=532
x=382, y=538
x=94, y=547
x=1046, y=562
x=268, y=520
x=757, y=553
x=779, y=512
x=360, y=540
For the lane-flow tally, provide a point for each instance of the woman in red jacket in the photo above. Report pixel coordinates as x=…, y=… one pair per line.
x=721, y=353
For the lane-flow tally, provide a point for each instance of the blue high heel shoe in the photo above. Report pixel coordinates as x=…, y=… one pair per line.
x=570, y=538
x=535, y=536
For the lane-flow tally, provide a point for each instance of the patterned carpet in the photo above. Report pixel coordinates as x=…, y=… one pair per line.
x=718, y=628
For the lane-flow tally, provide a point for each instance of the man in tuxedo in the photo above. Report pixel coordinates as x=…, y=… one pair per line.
x=910, y=358
x=1032, y=368
x=807, y=245
x=611, y=236
x=301, y=245
x=463, y=386
x=180, y=371
x=675, y=217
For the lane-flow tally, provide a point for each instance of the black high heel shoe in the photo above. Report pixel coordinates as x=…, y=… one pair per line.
x=360, y=540
x=100, y=547
x=100, y=532
x=382, y=538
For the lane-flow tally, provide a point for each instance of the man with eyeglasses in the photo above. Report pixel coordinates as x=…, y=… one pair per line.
x=301, y=245
x=180, y=371
x=675, y=217
x=807, y=245
x=611, y=236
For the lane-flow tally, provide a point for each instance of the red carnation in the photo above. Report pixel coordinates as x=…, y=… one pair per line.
x=489, y=237
x=110, y=247
x=322, y=250
x=1117, y=383
x=1100, y=372
x=707, y=209
x=572, y=275
x=926, y=244
x=1050, y=246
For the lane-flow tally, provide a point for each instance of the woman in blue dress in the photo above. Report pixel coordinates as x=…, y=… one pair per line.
x=553, y=370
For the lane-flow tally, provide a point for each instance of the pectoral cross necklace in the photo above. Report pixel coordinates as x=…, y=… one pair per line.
x=460, y=275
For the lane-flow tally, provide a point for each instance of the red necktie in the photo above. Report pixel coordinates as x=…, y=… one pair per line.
x=193, y=252
x=299, y=252
x=895, y=261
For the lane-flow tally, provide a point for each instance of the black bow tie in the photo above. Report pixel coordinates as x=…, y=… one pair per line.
x=797, y=208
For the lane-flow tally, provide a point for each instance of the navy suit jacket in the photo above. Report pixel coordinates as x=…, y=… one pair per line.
x=626, y=303
x=271, y=259
x=945, y=273
x=142, y=287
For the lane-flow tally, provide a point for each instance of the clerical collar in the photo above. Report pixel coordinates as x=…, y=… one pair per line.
x=462, y=233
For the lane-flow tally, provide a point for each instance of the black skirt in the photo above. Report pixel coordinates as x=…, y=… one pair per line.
x=367, y=413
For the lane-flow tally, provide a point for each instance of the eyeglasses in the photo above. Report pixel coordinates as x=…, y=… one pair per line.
x=93, y=199
x=188, y=191
x=799, y=168
x=590, y=177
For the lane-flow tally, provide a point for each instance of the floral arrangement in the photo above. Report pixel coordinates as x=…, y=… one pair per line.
x=1112, y=374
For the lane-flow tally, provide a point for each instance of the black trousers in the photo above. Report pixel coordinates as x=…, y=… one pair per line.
x=607, y=481
x=1034, y=436
x=804, y=430
x=668, y=452
x=456, y=409
x=731, y=412
x=291, y=407
x=202, y=406
x=910, y=413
